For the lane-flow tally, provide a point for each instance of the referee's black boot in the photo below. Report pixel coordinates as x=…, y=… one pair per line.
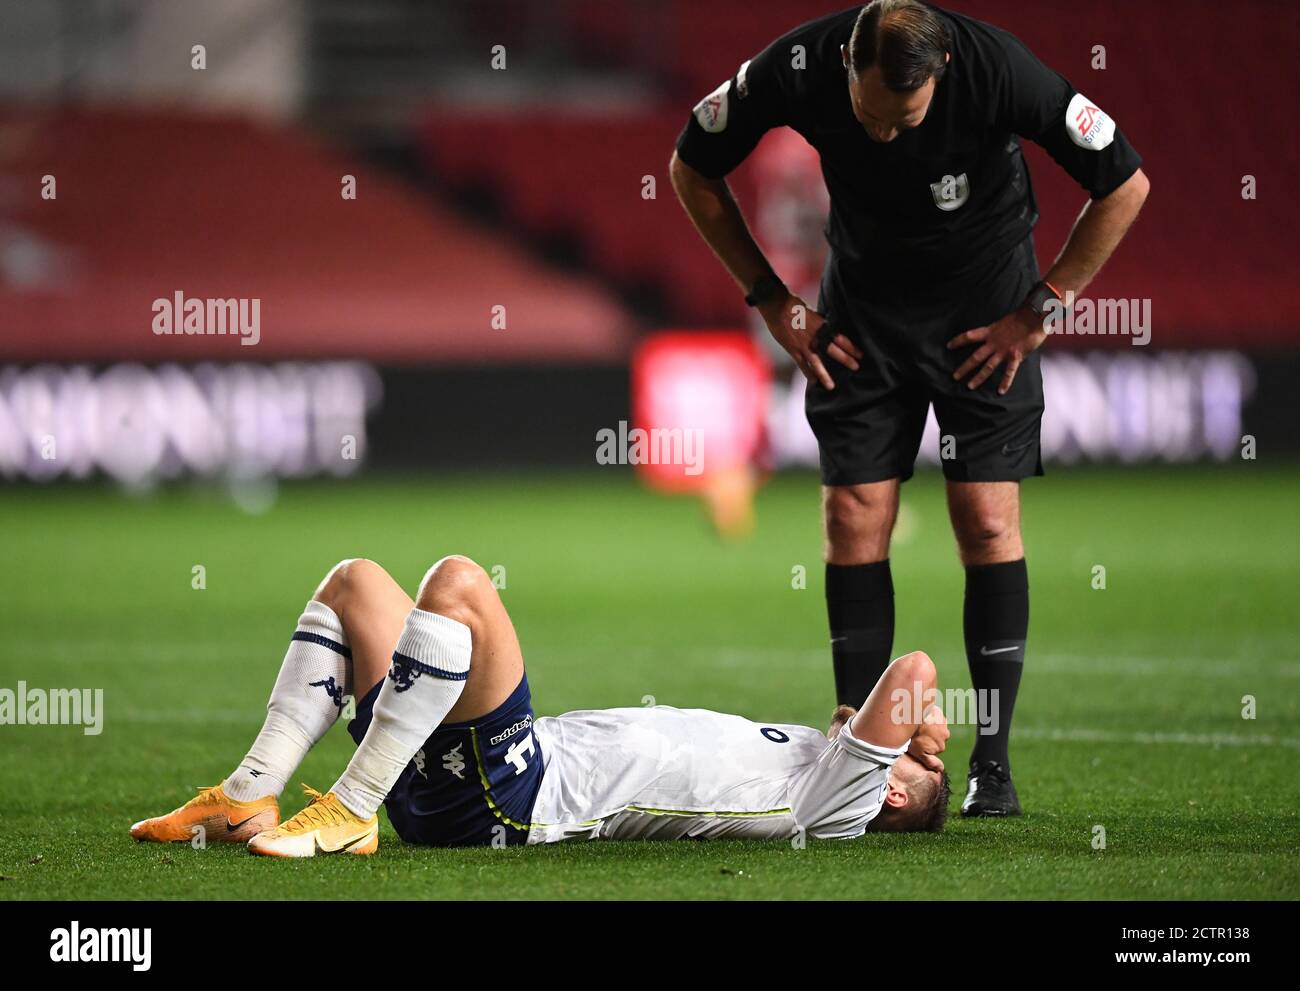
x=989, y=791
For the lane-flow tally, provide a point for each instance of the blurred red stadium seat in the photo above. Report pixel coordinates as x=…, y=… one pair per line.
x=1200, y=128
x=150, y=203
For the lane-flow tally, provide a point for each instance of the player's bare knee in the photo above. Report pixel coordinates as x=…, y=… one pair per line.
x=346, y=580
x=915, y=666
x=455, y=587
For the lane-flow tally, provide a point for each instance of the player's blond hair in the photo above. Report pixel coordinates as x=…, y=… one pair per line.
x=926, y=810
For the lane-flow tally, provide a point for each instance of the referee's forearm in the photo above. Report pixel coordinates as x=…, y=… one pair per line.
x=716, y=215
x=1096, y=234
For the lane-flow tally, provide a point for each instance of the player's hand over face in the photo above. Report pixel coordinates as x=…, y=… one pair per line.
x=1009, y=342
x=930, y=739
x=802, y=331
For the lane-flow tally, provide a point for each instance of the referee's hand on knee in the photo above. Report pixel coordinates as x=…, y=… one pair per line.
x=805, y=336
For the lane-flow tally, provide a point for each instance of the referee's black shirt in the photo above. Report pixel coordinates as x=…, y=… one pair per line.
x=932, y=204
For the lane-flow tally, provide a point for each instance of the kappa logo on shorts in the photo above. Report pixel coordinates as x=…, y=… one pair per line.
x=454, y=761
x=951, y=192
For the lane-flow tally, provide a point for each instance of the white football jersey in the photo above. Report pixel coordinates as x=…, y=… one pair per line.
x=666, y=773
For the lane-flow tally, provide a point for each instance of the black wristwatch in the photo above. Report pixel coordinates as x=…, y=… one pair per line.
x=1041, y=297
x=765, y=290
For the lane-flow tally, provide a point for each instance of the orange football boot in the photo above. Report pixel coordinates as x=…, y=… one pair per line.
x=222, y=819
x=326, y=825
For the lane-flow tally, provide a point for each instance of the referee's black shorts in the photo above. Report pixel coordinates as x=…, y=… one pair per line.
x=869, y=426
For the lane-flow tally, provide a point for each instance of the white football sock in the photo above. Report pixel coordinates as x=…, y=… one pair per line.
x=430, y=667
x=314, y=679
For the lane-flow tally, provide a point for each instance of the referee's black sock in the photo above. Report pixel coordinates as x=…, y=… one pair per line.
x=996, y=619
x=860, y=605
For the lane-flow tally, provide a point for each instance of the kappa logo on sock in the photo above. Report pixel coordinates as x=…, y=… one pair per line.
x=454, y=762
x=419, y=760
x=403, y=675
x=332, y=689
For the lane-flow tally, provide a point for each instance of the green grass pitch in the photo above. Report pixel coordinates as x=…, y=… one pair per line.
x=1130, y=716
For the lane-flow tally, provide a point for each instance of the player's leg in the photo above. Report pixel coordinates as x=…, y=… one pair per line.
x=351, y=622
x=457, y=658
x=461, y=590
x=372, y=607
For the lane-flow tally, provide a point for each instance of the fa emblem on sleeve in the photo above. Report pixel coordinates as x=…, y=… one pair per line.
x=950, y=192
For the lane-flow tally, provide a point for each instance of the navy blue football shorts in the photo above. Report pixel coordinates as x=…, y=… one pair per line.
x=471, y=783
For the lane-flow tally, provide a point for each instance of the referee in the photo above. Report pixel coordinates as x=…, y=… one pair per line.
x=931, y=295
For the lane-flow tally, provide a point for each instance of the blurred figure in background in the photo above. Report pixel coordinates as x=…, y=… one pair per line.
x=789, y=218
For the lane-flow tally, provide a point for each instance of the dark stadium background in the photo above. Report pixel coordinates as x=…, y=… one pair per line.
x=522, y=188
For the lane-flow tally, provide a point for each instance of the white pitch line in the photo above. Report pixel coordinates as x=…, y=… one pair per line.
x=1161, y=666
x=181, y=652
x=1064, y=734
x=201, y=717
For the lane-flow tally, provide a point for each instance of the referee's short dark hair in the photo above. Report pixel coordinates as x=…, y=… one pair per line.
x=907, y=39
